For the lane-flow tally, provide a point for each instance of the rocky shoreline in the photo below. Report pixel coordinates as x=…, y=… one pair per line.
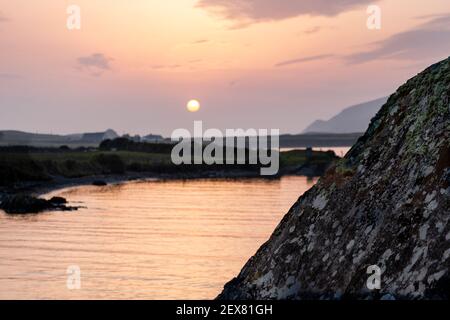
x=26, y=197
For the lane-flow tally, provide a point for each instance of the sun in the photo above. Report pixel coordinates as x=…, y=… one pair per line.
x=193, y=105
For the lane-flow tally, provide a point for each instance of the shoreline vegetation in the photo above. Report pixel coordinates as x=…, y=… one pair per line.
x=31, y=171
x=20, y=138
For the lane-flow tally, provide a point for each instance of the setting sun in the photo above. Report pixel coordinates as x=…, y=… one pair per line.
x=193, y=106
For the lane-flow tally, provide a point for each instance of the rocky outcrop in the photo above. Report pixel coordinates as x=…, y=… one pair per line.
x=25, y=204
x=99, y=183
x=386, y=204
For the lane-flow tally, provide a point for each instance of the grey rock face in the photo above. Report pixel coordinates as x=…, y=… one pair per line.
x=387, y=203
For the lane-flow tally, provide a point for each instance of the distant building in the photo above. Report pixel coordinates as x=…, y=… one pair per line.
x=309, y=153
x=136, y=138
x=98, y=137
x=154, y=138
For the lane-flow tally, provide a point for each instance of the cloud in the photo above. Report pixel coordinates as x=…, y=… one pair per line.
x=431, y=39
x=431, y=16
x=172, y=66
x=305, y=59
x=96, y=63
x=245, y=12
x=312, y=30
x=200, y=41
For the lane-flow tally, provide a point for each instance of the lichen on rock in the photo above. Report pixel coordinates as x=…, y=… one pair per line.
x=387, y=203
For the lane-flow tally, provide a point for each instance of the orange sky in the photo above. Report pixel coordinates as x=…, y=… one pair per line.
x=261, y=64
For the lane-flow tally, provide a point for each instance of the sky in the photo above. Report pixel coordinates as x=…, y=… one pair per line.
x=262, y=64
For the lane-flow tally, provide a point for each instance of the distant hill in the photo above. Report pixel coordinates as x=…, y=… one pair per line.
x=11, y=137
x=20, y=138
x=352, y=119
x=318, y=140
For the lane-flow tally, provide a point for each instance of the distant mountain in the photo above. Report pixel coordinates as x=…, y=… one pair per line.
x=11, y=137
x=352, y=119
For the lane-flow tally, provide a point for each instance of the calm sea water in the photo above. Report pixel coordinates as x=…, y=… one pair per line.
x=143, y=240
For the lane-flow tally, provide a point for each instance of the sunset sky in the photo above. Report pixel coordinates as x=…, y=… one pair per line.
x=251, y=63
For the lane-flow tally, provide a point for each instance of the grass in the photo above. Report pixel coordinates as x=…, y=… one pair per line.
x=38, y=165
x=299, y=157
